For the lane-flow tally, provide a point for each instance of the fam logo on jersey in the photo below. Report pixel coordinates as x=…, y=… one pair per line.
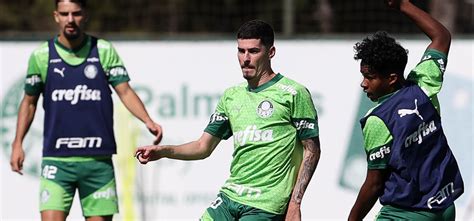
x=265, y=109
x=90, y=71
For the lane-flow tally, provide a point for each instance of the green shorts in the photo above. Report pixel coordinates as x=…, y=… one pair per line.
x=224, y=208
x=393, y=213
x=93, y=178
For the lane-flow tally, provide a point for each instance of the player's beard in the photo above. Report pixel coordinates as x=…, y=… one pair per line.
x=72, y=36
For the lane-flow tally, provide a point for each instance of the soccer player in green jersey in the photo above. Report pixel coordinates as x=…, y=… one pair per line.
x=74, y=72
x=411, y=168
x=276, y=141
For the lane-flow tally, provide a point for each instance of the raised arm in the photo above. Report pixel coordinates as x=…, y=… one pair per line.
x=312, y=152
x=133, y=103
x=195, y=150
x=26, y=114
x=439, y=35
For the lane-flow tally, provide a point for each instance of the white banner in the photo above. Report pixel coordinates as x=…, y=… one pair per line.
x=180, y=83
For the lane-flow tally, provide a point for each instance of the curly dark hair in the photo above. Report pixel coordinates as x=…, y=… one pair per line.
x=382, y=53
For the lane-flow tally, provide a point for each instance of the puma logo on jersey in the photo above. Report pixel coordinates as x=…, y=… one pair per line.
x=252, y=134
x=404, y=112
x=60, y=72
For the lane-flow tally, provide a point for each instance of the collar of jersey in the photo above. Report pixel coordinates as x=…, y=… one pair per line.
x=386, y=97
x=266, y=85
x=74, y=50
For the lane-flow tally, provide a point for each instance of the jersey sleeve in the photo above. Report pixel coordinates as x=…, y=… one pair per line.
x=36, y=72
x=303, y=114
x=219, y=125
x=428, y=74
x=377, y=143
x=112, y=63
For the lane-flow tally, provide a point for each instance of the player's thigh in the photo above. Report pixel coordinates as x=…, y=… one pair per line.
x=254, y=214
x=393, y=213
x=97, y=188
x=218, y=210
x=57, y=185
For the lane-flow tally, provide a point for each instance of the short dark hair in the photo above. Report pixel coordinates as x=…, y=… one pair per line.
x=82, y=3
x=257, y=29
x=382, y=53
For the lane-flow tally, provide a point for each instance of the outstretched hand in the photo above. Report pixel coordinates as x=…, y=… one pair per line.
x=156, y=130
x=146, y=154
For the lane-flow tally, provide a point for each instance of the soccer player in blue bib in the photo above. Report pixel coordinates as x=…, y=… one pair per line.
x=411, y=168
x=74, y=72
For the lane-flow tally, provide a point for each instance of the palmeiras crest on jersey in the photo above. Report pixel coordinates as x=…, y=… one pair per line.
x=265, y=109
x=90, y=71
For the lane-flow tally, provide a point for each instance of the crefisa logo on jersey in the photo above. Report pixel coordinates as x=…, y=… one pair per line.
x=90, y=71
x=265, y=109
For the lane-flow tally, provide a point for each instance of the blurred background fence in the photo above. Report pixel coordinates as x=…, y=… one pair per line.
x=154, y=19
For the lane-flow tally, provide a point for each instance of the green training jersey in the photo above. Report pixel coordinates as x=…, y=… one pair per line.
x=39, y=60
x=267, y=124
x=428, y=74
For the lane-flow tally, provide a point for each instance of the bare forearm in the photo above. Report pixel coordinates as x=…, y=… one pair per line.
x=368, y=194
x=188, y=151
x=310, y=161
x=439, y=35
x=365, y=201
x=26, y=114
x=133, y=103
x=195, y=150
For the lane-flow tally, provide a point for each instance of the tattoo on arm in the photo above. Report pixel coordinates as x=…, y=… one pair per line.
x=311, y=156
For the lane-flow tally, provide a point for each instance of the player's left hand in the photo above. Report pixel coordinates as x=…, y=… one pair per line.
x=156, y=130
x=294, y=212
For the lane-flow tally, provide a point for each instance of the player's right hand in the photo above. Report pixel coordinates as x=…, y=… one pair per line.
x=17, y=157
x=146, y=154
